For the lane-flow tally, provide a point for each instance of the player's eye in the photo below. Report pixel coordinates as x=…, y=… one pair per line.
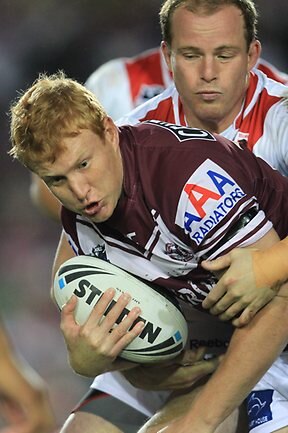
x=190, y=56
x=226, y=56
x=83, y=164
x=57, y=180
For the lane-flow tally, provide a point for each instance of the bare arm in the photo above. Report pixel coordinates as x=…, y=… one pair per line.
x=180, y=373
x=267, y=268
x=251, y=352
x=270, y=267
x=92, y=348
x=252, y=279
x=25, y=402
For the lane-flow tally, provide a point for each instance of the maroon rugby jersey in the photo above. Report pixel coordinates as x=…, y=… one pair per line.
x=187, y=194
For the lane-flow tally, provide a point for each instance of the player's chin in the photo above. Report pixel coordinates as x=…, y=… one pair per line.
x=97, y=219
x=100, y=217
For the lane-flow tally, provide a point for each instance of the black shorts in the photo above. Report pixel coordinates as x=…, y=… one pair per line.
x=111, y=409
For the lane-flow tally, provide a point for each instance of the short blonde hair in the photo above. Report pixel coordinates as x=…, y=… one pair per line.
x=246, y=7
x=53, y=108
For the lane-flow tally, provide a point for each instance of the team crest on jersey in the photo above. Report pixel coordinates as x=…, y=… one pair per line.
x=183, y=133
x=177, y=253
x=207, y=197
x=259, y=407
x=99, y=252
x=242, y=138
x=147, y=92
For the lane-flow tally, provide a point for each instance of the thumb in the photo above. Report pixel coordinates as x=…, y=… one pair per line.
x=67, y=313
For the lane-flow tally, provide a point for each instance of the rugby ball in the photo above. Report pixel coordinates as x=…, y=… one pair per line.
x=165, y=332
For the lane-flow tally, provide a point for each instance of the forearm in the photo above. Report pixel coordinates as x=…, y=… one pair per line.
x=180, y=373
x=23, y=391
x=8, y=360
x=16, y=373
x=5, y=343
x=270, y=266
x=251, y=352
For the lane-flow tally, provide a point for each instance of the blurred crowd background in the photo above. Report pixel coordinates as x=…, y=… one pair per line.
x=77, y=37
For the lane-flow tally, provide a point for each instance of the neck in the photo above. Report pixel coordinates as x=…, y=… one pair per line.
x=213, y=121
x=214, y=125
x=209, y=124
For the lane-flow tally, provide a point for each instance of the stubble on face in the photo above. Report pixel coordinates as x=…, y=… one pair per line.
x=209, y=61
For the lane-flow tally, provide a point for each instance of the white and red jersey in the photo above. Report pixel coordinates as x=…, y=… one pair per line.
x=124, y=83
x=262, y=122
x=272, y=72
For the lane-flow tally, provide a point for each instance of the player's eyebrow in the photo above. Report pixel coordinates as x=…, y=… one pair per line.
x=51, y=178
x=199, y=50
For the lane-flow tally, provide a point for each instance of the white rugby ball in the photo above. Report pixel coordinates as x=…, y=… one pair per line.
x=165, y=332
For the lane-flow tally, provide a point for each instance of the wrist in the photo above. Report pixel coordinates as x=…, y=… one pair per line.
x=270, y=266
x=198, y=422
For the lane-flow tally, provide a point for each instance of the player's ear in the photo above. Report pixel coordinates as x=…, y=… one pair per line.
x=110, y=130
x=254, y=54
x=166, y=51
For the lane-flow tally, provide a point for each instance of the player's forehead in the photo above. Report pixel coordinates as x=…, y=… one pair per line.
x=65, y=155
x=52, y=167
x=224, y=26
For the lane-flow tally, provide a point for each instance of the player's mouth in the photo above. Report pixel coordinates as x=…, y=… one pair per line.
x=209, y=95
x=93, y=208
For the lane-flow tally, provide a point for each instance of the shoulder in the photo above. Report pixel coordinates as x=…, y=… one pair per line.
x=263, y=88
x=272, y=72
x=265, y=97
x=109, y=71
x=106, y=73
x=269, y=89
x=183, y=147
x=158, y=108
x=147, y=57
x=110, y=83
x=269, y=98
x=176, y=134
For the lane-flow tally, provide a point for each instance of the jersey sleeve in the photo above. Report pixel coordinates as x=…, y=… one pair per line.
x=110, y=83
